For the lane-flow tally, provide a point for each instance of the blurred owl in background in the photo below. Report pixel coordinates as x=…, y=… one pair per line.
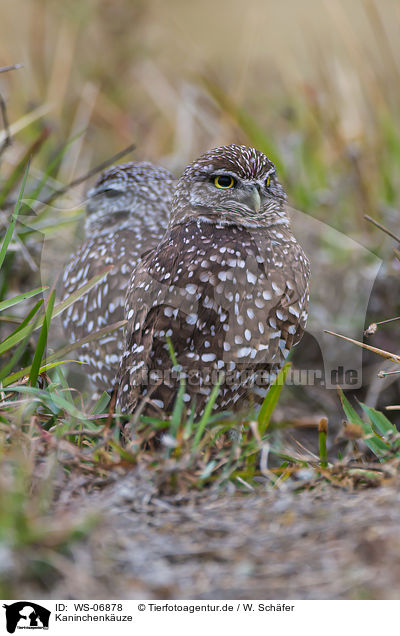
x=127, y=215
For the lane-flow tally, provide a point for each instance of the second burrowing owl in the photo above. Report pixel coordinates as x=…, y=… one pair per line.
x=228, y=285
x=127, y=214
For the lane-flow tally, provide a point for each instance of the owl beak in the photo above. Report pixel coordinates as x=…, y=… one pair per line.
x=253, y=199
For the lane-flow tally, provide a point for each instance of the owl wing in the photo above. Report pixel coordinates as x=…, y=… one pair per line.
x=101, y=306
x=104, y=304
x=146, y=300
x=221, y=299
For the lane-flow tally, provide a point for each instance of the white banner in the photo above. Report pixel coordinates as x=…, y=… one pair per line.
x=177, y=618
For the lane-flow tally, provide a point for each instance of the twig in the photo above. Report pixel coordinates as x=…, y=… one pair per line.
x=84, y=431
x=111, y=411
x=382, y=227
x=373, y=327
x=383, y=322
x=12, y=67
x=91, y=173
x=6, y=126
x=3, y=109
x=378, y=468
x=382, y=374
x=380, y=352
x=299, y=422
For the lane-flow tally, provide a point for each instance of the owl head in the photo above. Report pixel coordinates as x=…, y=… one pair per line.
x=233, y=185
x=125, y=187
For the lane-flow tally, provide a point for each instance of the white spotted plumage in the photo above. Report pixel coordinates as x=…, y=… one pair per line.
x=228, y=284
x=127, y=214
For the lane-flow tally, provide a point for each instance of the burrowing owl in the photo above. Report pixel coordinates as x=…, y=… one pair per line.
x=228, y=284
x=127, y=214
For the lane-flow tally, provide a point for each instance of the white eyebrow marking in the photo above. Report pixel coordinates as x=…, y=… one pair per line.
x=221, y=172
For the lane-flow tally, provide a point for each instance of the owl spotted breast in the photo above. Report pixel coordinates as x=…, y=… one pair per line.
x=127, y=214
x=228, y=285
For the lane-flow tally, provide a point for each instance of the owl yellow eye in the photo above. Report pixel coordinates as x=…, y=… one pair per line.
x=224, y=182
x=267, y=182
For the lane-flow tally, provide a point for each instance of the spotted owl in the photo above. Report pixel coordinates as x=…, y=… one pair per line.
x=227, y=287
x=127, y=214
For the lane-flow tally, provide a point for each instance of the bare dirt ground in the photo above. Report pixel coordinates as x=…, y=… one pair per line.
x=323, y=544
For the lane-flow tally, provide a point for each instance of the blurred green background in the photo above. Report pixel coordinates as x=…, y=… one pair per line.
x=316, y=84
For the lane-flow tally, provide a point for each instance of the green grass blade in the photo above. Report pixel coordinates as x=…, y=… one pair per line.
x=65, y=350
x=42, y=341
x=13, y=222
x=101, y=404
x=17, y=337
x=380, y=421
x=18, y=353
x=59, y=378
x=21, y=297
x=189, y=424
x=122, y=452
x=52, y=365
x=22, y=346
x=178, y=408
x=26, y=320
x=375, y=443
x=87, y=339
x=322, y=435
x=207, y=412
x=208, y=470
x=179, y=402
x=271, y=400
x=50, y=399
x=154, y=421
x=172, y=352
